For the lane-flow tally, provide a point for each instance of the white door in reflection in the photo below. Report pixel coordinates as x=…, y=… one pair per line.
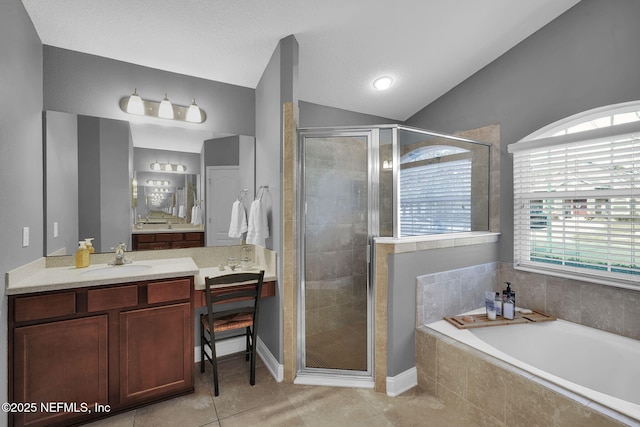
x=223, y=187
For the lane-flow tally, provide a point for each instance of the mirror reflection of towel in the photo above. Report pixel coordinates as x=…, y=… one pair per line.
x=258, y=227
x=196, y=217
x=238, y=223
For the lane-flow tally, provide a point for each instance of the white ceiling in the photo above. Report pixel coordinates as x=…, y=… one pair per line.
x=427, y=46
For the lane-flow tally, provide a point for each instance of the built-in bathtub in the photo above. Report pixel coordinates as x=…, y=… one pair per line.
x=598, y=371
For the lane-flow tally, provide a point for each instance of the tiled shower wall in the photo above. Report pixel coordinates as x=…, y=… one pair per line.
x=453, y=292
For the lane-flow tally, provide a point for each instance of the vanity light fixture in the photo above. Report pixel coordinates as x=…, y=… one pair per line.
x=168, y=167
x=383, y=83
x=194, y=115
x=158, y=182
x=134, y=104
x=164, y=109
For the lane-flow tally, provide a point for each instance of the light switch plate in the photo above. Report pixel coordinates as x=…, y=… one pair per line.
x=25, y=237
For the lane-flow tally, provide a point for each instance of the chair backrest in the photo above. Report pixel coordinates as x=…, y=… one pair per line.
x=240, y=287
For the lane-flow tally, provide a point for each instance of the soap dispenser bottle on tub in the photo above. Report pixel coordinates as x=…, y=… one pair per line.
x=508, y=302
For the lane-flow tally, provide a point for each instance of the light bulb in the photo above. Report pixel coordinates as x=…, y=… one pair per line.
x=382, y=83
x=193, y=113
x=135, y=105
x=165, y=110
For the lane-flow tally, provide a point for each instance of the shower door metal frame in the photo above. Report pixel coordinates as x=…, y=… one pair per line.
x=325, y=376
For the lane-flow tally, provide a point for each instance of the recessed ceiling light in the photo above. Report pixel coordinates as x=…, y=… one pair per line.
x=382, y=83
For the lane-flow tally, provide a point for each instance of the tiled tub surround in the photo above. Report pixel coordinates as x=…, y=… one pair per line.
x=493, y=392
x=602, y=307
x=452, y=292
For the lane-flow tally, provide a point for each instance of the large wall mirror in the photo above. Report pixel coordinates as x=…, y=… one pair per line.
x=102, y=181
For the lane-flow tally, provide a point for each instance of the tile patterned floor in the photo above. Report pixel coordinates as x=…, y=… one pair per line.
x=270, y=403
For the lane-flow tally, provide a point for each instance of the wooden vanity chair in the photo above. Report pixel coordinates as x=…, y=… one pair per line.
x=233, y=307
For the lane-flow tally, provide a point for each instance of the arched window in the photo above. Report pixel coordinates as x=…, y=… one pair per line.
x=577, y=197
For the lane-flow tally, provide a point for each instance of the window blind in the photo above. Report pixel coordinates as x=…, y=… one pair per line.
x=576, y=207
x=435, y=198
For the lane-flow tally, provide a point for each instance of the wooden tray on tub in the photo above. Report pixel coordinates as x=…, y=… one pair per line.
x=481, y=320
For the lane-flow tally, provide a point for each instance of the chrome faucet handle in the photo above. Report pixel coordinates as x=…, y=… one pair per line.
x=119, y=252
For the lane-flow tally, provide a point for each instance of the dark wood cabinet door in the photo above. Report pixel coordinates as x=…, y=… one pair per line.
x=64, y=361
x=156, y=352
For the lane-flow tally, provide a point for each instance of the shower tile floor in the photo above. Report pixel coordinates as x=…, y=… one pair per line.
x=270, y=403
x=345, y=348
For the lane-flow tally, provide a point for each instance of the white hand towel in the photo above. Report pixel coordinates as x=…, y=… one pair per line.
x=258, y=226
x=195, y=216
x=181, y=211
x=238, y=223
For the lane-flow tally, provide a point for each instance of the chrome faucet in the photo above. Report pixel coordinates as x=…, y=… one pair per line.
x=120, y=258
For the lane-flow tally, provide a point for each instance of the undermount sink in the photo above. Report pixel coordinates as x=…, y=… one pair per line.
x=114, y=270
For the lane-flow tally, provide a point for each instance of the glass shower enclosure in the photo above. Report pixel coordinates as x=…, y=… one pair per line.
x=357, y=184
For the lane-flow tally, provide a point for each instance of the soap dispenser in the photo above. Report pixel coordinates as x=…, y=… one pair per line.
x=82, y=256
x=89, y=245
x=508, y=302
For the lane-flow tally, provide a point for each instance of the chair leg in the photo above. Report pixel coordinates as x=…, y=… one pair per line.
x=252, y=378
x=202, y=358
x=216, y=390
x=248, y=347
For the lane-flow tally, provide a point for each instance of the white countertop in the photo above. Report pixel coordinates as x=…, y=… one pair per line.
x=38, y=276
x=57, y=278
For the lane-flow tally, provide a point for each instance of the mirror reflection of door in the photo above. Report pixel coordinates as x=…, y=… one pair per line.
x=223, y=187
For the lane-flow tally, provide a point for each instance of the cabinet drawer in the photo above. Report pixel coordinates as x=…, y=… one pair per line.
x=110, y=298
x=168, y=291
x=44, y=306
x=185, y=244
x=168, y=237
x=146, y=238
x=192, y=236
x=153, y=246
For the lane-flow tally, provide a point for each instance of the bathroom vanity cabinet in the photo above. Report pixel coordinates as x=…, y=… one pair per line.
x=167, y=240
x=84, y=353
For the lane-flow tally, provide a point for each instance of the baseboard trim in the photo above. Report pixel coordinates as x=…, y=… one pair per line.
x=276, y=369
x=402, y=382
x=333, y=380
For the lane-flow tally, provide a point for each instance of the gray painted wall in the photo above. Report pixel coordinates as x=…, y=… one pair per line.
x=21, y=173
x=315, y=115
x=61, y=171
x=115, y=184
x=104, y=182
x=268, y=166
x=79, y=83
x=222, y=151
x=401, y=315
x=586, y=58
x=89, y=186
